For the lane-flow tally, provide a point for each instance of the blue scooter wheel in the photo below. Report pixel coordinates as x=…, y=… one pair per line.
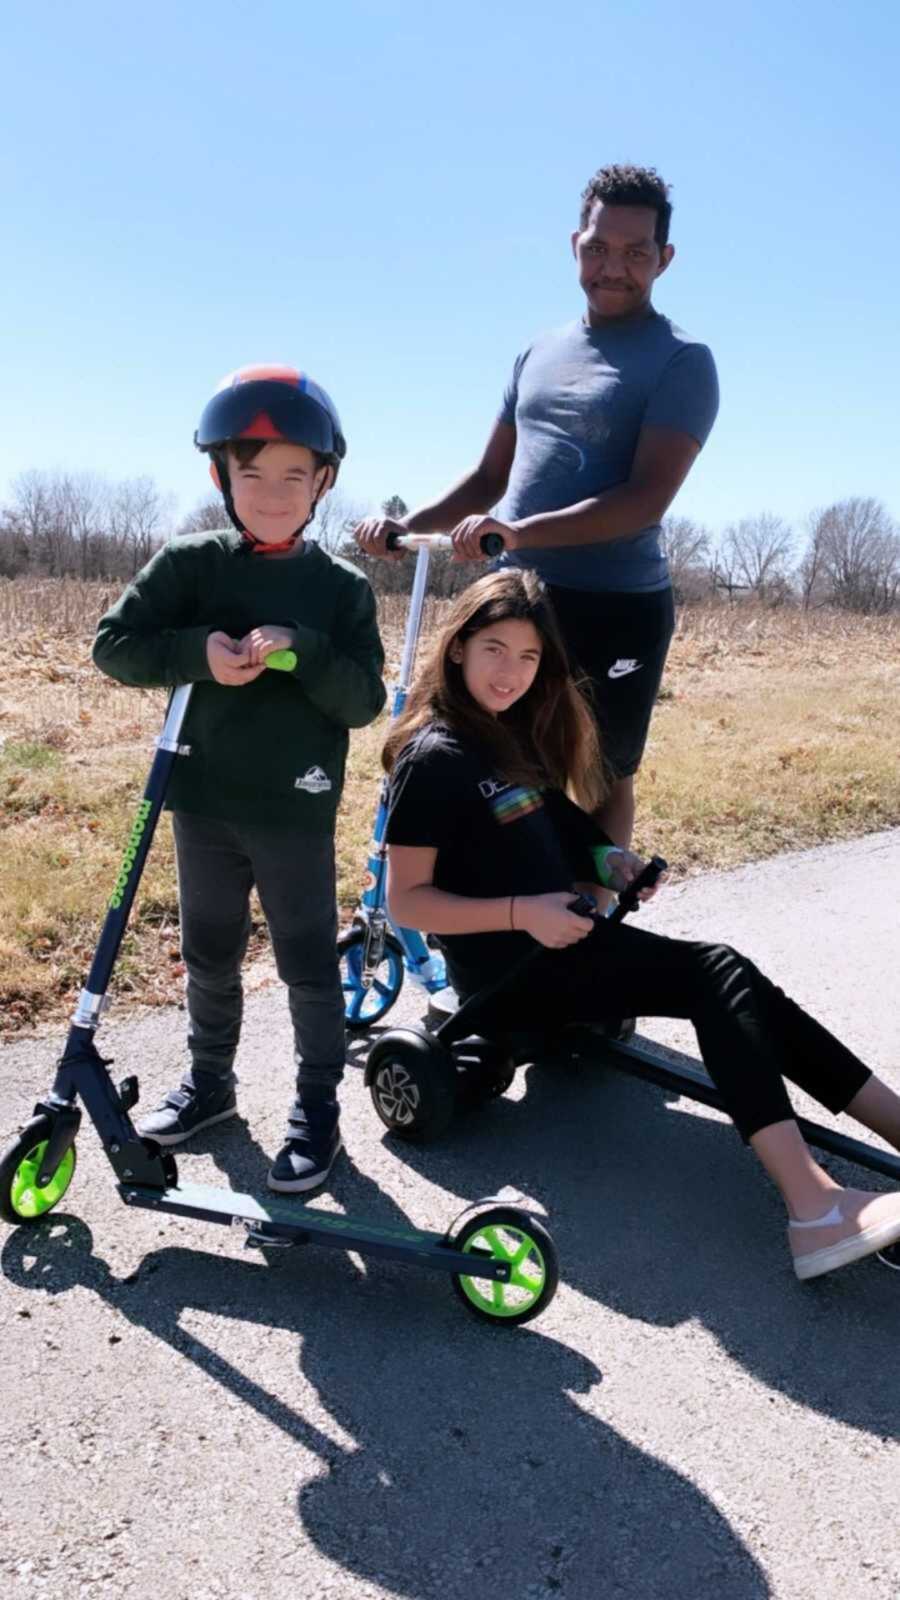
x=364, y=1007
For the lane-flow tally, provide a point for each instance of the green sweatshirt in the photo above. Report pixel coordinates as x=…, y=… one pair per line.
x=272, y=750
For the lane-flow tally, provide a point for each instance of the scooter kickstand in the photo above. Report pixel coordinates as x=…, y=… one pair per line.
x=259, y=1238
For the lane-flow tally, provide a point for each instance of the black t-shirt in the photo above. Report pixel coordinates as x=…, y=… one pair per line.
x=492, y=838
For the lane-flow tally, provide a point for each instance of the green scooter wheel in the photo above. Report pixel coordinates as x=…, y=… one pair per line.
x=508, y=1234
x=21, y=1200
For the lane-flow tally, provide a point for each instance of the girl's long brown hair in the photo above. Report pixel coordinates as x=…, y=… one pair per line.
x=547, y=737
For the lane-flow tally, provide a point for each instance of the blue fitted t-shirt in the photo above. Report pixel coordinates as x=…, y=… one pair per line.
x=578, y=398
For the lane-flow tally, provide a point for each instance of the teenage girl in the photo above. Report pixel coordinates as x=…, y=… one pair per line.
x=495, y=770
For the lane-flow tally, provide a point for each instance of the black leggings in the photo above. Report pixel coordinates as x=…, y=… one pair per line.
x=751, y=1035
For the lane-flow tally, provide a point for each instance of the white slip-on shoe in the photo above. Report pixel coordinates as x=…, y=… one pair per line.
x=858, y=1224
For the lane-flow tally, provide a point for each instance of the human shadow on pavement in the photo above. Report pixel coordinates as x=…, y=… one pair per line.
x=665, y=1217
x=473, y=1468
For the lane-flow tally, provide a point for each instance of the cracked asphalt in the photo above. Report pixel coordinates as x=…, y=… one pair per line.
x=183, y=1417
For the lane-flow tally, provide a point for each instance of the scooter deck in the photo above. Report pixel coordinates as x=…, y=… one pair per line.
x=282, y=1222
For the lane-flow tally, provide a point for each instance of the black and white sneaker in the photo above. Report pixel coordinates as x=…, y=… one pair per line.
x=185, y=1111
x=309, y=1152
x=890, y=1257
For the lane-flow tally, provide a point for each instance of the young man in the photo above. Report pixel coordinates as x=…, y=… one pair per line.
x=599, y=427
x=254, y=797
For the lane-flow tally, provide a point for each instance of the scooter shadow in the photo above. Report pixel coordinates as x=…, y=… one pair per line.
x=472, y=1464
x=664, y=1216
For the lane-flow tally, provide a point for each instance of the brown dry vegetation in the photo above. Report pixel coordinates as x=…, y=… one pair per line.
x=775, y=730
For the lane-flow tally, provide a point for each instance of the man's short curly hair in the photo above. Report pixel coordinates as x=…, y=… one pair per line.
x=630, y=186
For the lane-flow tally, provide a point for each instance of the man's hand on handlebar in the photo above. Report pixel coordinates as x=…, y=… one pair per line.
x=547, y=916
x=371, y=536
x=468, y=534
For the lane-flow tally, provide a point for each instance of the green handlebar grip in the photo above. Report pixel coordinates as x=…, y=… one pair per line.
x=282, y=660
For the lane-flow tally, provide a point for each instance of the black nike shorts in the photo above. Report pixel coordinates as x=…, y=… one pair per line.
x=619, y=643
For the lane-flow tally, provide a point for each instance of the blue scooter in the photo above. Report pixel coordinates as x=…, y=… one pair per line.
x=376, y=954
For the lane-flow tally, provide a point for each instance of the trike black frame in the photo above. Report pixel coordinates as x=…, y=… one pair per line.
x=636, y=1060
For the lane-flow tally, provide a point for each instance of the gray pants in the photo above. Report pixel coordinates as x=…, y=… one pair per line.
x=218, y=865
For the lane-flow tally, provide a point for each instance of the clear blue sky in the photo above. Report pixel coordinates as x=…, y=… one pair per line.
x=383, y=196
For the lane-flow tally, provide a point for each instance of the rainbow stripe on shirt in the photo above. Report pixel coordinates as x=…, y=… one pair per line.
x=511, y=804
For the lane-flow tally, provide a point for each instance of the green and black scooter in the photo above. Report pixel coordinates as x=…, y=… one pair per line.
x=501, y=1261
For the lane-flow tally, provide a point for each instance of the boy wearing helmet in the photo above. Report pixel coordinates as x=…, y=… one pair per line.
x=255, y=796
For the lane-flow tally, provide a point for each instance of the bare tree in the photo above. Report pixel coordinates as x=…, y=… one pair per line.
x=857, y=554
x=207, y=516
x=687, y=546
x=334, y=522
x=32, y=513
x=724, y=569
x=756, y=551
x=886, y=574
x=140, y=515
x=811, y=579
x=81, y=504
x=14, y=552
x=29, y=507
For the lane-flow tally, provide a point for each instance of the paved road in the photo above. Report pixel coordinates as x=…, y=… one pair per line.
x=180, y=1418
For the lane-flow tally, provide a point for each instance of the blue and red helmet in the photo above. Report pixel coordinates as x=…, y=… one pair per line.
x=272, y=403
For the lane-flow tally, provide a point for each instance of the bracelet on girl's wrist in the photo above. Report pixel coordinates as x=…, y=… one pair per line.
x=600, y=854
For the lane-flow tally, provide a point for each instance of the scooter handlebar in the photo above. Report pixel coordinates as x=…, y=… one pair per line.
x=491, y=543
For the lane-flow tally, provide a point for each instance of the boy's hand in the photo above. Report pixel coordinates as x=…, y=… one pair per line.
x=260, y=642
x=229, y=660
x=548, y=919
x=371, y=536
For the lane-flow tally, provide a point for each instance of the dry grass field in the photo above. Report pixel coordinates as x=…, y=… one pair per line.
x=774, y=731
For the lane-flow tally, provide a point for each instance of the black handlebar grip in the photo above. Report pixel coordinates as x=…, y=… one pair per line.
x=390, y=539
x=583, y=906
x=629, y=899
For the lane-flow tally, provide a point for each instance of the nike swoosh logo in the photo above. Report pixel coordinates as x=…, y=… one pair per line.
x=620, y=669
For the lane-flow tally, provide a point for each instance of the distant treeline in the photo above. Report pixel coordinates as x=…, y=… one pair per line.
x=58, y=525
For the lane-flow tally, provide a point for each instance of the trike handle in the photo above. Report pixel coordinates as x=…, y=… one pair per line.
x=629, y=899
